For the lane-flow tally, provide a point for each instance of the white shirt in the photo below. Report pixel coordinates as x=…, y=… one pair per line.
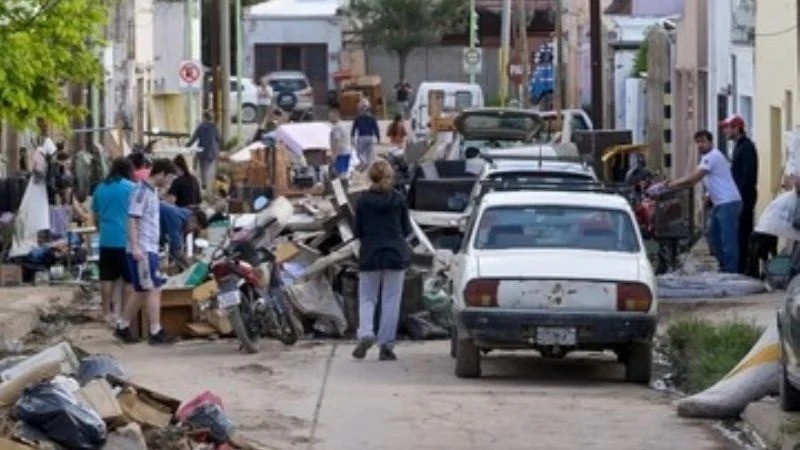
x=265, y=94
x=340, y=144
x=719, y=180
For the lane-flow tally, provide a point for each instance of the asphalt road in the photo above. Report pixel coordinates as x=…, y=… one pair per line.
x=314, y=396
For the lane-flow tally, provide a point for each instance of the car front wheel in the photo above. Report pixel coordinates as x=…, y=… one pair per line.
x=789, y=395
x=638, y=362
x=468, y=359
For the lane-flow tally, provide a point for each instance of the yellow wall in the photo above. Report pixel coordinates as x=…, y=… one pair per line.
x=776, y=90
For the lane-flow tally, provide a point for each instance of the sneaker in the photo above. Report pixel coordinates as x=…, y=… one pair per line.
x=125, y=335
x=387, y=354
x=361, y=348
x=161, y=338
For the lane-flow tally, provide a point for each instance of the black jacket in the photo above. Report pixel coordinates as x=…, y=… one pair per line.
x=744, y=168
x=382, y=225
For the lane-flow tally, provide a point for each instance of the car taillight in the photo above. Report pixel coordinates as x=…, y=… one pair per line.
x=633, y=297
x=481, y=293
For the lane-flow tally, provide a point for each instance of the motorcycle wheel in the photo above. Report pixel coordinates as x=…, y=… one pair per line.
x=287, y=330
x=248, y=340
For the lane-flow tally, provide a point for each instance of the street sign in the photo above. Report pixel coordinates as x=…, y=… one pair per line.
x=472, y=59
x=516, y=70
x=190, y=76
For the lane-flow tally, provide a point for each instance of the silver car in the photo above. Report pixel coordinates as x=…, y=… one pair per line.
x=293, y=91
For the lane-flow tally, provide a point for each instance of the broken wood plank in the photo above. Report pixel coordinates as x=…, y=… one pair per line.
x=201, y=329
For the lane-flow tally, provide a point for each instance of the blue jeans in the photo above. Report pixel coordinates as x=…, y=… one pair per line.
x=723, y=235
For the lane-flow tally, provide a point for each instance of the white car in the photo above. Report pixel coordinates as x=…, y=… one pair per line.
x=554, y=271
x=249, y=99
x=293, y=92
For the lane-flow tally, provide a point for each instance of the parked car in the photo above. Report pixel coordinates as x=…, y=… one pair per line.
x=555, y=270
x=788, y=324
x=572, y=120
x=293, y=92
x=249, y=99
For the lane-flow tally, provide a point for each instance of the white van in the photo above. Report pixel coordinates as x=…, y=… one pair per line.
x=455, y=98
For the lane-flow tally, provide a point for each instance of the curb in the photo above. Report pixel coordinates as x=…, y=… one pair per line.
x=767, y=420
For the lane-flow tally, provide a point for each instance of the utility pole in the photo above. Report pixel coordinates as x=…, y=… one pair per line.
x=225, y=56
x=560, y=98
x=526, y=56
x=238, y=14
x=505, y=44
x=473, y=20
x=597, y=64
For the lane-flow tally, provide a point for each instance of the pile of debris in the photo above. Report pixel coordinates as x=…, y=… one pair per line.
x=55, y=400
x=316, y=248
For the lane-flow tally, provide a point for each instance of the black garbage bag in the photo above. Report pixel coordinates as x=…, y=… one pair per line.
x=58, y=414
x=421, y=326
x=211, y=417
x=98, y=366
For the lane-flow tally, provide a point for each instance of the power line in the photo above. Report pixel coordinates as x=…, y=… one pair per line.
x=778, y=33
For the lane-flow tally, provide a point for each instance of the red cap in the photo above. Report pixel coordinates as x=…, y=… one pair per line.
x=734, y=121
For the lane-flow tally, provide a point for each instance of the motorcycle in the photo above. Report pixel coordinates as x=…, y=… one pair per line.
x=250, y=287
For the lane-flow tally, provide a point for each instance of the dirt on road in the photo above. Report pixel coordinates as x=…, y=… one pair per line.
x=315, y=396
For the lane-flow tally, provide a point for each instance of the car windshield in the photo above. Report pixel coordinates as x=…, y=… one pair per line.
x=555, y=226
x=288, y=84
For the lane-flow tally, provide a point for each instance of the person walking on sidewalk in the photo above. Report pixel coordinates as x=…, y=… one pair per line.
x=340, y=145
x=382, y=225
x=110, y=203
x=208, y=138
x=744, y=168
x=723, y=228
x=365, y=134
x=142, y=256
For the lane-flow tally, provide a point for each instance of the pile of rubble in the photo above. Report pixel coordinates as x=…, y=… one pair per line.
x=318, y=253
x=55, y=400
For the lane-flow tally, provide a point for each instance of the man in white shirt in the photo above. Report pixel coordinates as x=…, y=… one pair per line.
x=723, y=228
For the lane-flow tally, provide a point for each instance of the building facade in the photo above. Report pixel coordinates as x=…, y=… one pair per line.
x=776, y=89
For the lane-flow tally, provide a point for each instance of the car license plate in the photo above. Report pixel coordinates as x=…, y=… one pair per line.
x=555, y=336
x=228, y=299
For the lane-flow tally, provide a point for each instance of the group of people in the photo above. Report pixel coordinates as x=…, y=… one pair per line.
x=731, y=188
x=365, y=133
x=142, y=204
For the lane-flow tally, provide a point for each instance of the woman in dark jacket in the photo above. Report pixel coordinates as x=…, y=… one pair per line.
x=382, y=225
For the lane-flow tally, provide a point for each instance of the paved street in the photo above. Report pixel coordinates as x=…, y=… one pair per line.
x=314, y=396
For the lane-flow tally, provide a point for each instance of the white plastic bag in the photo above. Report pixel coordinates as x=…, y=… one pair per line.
x=778, y=216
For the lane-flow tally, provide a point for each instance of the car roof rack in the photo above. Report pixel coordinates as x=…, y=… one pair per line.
x=585, y=160
x=566, y=185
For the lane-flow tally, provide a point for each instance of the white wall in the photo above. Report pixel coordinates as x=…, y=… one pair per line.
x=623, y=68
x=293, y=31
x=169, y=32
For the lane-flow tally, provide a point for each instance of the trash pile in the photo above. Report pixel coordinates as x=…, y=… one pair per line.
x=316, y=249
x=55, y=400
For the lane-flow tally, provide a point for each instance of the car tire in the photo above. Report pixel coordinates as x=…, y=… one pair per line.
x=639, y=362
x=453, y=343
x=468, y=359
x=789, y=395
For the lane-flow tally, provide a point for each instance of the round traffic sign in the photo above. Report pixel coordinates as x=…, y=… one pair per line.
x=472, y=56
x=189, y=72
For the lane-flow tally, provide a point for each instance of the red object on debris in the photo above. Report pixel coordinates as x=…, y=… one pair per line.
x=206, y=397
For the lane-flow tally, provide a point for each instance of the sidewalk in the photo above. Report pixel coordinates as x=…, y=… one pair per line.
x=20, y=309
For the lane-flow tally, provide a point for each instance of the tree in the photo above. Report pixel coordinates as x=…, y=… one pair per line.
x=400, y=26
x=47, y=44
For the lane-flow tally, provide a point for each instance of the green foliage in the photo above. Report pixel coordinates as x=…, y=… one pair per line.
x=45, y=45
x=400, y=26
x=640, y=63
x=703, y=352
